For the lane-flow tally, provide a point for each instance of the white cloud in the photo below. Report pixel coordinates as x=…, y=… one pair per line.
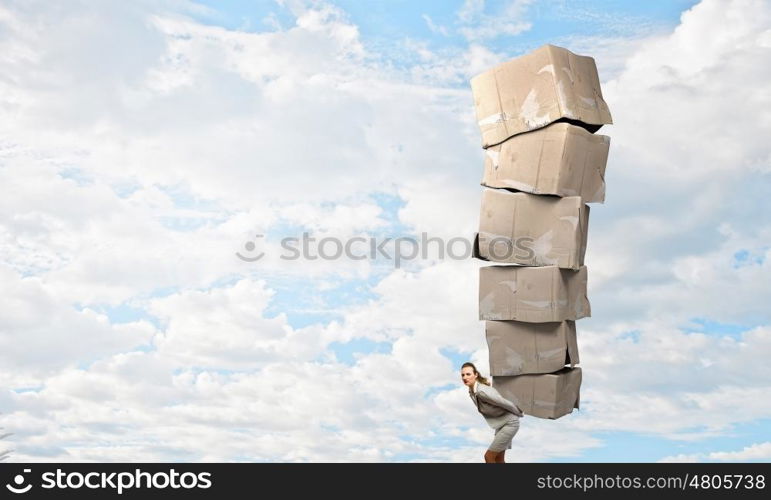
x=253, y=130
x=41, y=333
x=476, y=25
x=435, y=28
x=225, y=328
x=687, y=107
x=757, y=451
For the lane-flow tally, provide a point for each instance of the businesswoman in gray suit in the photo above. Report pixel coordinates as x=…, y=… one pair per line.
x=500, y=413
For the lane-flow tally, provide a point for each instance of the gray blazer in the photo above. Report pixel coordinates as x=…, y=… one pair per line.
x=490, y=403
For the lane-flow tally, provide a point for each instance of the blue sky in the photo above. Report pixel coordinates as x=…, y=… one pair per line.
x=133, y=180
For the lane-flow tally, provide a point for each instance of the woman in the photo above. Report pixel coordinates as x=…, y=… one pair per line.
x=500, y=413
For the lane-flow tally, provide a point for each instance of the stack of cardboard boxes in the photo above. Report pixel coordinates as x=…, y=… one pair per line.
x=543, y=164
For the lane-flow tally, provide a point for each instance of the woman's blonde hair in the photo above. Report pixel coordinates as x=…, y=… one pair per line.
x=476, y=372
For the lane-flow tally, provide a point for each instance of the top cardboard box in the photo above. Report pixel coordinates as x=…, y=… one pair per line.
x=529, y=92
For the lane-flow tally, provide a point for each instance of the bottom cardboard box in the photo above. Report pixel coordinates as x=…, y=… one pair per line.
x=546, y=395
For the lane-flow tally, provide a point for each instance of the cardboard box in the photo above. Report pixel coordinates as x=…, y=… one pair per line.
x=549, y=395
x=529, y=92
x=560, y=159
x=532, y=294
x=517, y=348
x=531, y=229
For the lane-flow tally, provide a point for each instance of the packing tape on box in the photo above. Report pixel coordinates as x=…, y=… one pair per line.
x=493, y=157
x=539, y=304
x=572, y=219
x=546, y=304
x=493, y=119
x=486, y=307
x=511, y=284
x=591, y=101
x=552, y=353
x=549, y=68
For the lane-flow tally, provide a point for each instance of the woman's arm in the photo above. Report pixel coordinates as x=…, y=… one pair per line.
x=490, y=394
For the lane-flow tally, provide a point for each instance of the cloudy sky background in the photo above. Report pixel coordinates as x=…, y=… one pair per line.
x=143, y=144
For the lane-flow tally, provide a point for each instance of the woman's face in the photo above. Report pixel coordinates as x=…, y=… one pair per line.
x=468, y=376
